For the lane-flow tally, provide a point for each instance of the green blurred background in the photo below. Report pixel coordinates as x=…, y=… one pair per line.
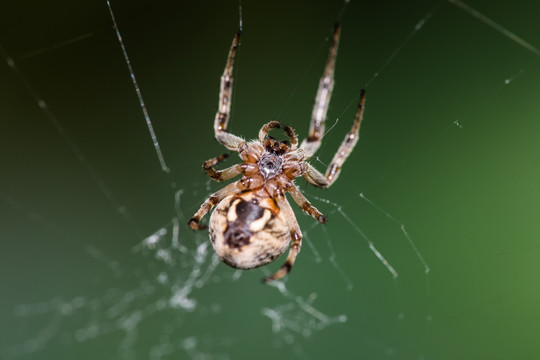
x=449, y=149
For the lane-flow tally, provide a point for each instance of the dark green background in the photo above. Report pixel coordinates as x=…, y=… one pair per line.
x=74, y=283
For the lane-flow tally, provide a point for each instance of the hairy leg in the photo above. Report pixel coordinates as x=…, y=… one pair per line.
x=296, y=239
x=230, y=141
x=314, y=177
x=305, y=205
x=322, y=100
x=221, y=175
x=214, y=199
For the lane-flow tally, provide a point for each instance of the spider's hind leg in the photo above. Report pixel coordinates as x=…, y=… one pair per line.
x=296, y=237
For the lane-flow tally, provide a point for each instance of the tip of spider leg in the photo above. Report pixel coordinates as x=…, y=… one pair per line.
x=322, y=219
x=270, y=278
x=194, y=224
x=363, y=92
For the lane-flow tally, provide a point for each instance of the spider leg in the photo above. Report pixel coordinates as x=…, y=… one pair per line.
x=214, y=199
x=305, y=205
x=314, y=177
x=296, y=236
x=322, y=100
x=230, y=141
x=221, y=175
x=276, y=125
x=266, y=128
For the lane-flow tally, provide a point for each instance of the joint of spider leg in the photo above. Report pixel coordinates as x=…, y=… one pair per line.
x=222, y=119
x=207, y=165
x=249, y=169
x=252, y=182
x=212, y=200
x=246, y=182
x=327, y=83
x=296, y=237
x=315, y=136
x=350, y=138
x=243, y=147
x=334, y=170
x=278, y=192
x=287, y=267
x=226, y=85
x=214, y=175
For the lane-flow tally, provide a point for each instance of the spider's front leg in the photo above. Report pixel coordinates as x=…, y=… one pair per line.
x=348, y=143
x=314, y=177
x=230, y=141
x=322, y=100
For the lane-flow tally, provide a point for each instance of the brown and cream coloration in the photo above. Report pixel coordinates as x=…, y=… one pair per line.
x=253, y=222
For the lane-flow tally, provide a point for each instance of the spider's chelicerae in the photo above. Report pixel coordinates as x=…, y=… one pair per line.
x=253, y=222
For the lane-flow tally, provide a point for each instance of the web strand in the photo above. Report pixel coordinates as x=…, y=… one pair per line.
x=400, y=47
x=483, y=18
x=427, y=270
x=240, y=19
x=155, y=141
x=75, y=149
x=371, y=246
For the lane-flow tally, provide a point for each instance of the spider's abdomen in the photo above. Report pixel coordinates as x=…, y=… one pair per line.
x=248, y=231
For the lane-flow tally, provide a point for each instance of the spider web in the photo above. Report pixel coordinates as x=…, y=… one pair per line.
x=431, y=245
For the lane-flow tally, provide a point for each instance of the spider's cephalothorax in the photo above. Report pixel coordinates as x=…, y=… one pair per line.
x=253, y=223
x=270, y=163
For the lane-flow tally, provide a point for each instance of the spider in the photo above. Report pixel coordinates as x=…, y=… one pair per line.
x=253, y=222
